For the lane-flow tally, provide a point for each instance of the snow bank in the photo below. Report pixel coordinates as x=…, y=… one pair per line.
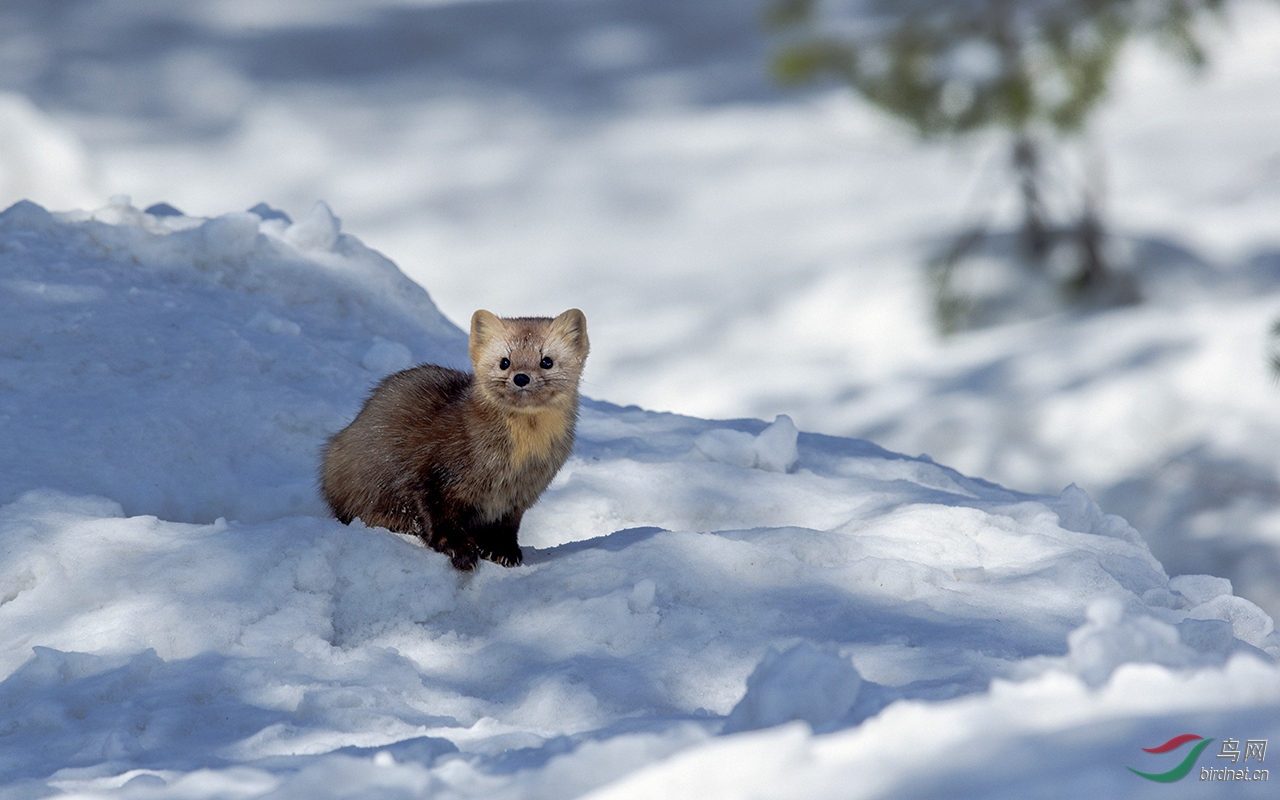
x=1050, y=737
x=717, y=229
x=171, y=363
x=178, y=618
x=1164, y=412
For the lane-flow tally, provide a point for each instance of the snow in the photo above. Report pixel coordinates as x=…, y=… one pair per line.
x=773, y=449
x=179, y=617
x=804, y=683
x=182, y=389
x=1049, y=737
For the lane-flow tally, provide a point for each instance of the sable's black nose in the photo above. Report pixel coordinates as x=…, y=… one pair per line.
x=520, y=379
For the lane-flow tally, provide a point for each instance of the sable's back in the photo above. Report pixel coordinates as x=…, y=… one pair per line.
x=362, y=462
x=423, y=389
x=407, y=409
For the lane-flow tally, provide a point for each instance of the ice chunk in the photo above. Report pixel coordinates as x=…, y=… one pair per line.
x=1206, y=635
x=1200, y=589
x=1110, y=639
x=774, y=450
x=776, y=445
x=804, y=683
x=1078, y=512
x=319, y=231
x=1248, y=622
x=1160, y=597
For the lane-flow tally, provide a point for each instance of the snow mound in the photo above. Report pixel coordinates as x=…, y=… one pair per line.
x=179, y=618
x=170, y=363
x=773, y=450
x=804, y=683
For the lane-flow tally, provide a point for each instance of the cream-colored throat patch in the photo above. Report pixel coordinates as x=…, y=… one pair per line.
x=536, y=433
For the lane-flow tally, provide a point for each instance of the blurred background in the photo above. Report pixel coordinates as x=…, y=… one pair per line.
x=1038, y=240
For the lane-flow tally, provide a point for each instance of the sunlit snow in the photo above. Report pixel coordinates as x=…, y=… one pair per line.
x=754, y=607
x=180, y=614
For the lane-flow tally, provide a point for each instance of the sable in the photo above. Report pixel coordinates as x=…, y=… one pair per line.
x=455, y=458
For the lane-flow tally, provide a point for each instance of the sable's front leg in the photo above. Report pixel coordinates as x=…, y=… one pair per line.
x=422, y=525
x=499, y=541
x=453, y=540
x=447, y=536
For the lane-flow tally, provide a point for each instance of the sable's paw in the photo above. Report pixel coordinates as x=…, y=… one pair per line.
x=463, y=555
x=464, y=559
x=507, y=558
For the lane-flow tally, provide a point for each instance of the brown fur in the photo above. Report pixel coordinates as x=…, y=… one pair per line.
x=457, y=459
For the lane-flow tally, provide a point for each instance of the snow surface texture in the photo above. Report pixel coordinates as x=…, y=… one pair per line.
x=741, y=251
x=706, y=609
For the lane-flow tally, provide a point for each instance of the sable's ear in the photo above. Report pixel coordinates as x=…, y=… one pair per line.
x=572, y=325
x=484, y=325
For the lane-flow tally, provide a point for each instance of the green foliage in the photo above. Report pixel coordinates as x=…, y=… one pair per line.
x=1274, y=357
x=1030, y=67
x=952, y=66
x=786, y=13
x=806, y=61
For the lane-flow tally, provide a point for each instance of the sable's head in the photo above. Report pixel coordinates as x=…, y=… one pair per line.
x=528, y=363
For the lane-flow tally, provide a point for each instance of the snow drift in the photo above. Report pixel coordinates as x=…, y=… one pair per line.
x=706, y=608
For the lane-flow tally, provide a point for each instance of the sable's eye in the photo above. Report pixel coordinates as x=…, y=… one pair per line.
x=504, y=363
x=547, y=363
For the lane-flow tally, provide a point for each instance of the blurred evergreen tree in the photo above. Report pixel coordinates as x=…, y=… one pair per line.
x=1274, y=357
x=1032, y=67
